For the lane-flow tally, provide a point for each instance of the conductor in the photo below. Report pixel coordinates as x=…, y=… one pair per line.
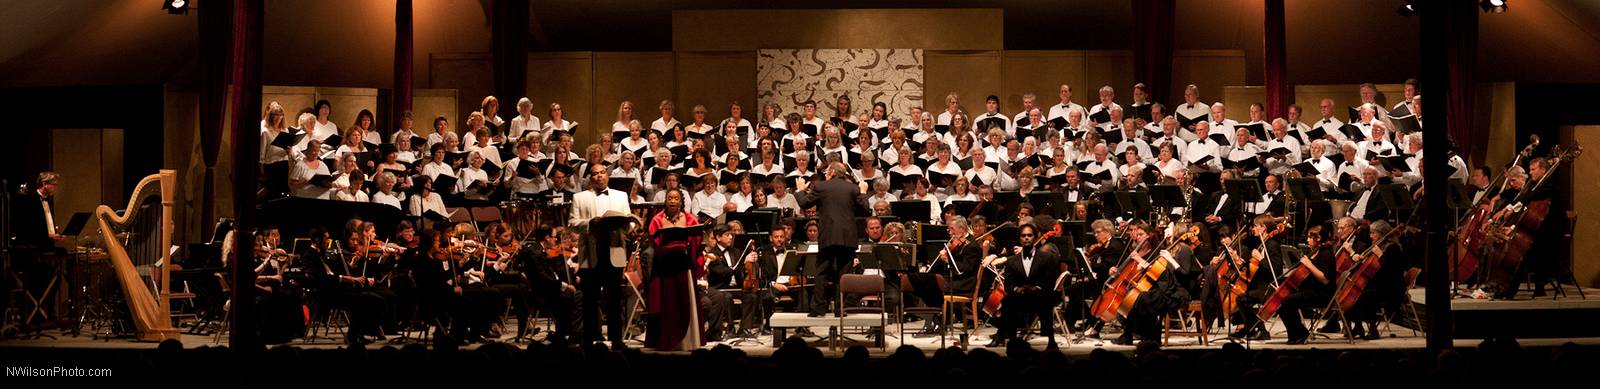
x=838, y=200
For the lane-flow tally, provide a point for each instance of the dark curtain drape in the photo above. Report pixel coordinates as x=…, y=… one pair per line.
x=1153, y=38
x=402, y=63
x=1275, y=64
x=246, y=70
x=216, y=43
x=509, y=26
x=1462, y=52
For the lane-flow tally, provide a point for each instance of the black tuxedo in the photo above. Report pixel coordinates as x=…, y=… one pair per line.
x=28, y=223
x=1275, y=207
x=1030, y=291
x=721, y=275
x=964, y=277
x=545, y=276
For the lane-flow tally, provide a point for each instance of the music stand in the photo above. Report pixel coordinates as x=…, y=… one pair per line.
x=1167, y=197
x=911, y=210
x=1054, y=202
x=75, y=225
x=1306, y=190
x=1396, y=198
x=1136, y=201
x=888, y=257
x=1459, y=197
x=1248, y=191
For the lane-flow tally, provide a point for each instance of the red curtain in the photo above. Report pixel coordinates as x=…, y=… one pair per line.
x=1153, y=36
x=1275, y=63
x=246, y=70
x=1462, y=52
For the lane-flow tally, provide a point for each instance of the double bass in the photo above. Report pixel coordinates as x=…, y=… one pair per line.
x=1467, y=249
x=1521, y=221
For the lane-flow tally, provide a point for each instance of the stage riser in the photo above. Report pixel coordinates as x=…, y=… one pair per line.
x=1525, y=323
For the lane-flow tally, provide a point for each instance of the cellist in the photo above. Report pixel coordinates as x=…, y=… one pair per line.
x=1386, y=289
x=1144, y=318
x=1314, y=291
x=1348, y=244
x=1103, y=254
x=1253, y=257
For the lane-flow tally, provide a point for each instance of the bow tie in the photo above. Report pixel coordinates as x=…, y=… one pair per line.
x=1327, y=120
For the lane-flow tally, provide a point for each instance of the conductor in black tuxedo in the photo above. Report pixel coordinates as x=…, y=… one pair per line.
x=1030, y=288
x=838, y=200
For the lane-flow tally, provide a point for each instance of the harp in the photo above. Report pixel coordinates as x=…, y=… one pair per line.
x=137, y=242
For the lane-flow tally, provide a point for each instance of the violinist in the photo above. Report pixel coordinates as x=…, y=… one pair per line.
x=768, y=261
x=1102, y=255
x=1030, y=276
x=278, y=301
x=959, y=263
x=725, y=270
x=550, y=280
x=1256, y=251
x=477, y=305
x=1144, y=318
x=373, y=261
x=337, y=286
x=1314, y=292
x=506, y=273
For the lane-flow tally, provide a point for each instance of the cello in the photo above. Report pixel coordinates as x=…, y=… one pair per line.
x=1353, y=283
x=1154, y=271
x=1235, y=278
x=1120, y=294
x=1343, y=259
x=1289, y=285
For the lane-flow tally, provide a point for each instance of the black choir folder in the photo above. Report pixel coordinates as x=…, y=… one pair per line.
x=288, y=138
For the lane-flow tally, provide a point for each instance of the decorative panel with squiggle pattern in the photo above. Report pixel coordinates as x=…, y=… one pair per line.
x=790, y=77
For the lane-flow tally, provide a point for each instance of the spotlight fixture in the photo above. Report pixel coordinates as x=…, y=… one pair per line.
x=1493, y=6
x=176, y=7
x=1407, y=9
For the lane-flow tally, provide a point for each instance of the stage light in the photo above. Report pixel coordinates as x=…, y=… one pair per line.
x=1493, y=6
x=176, y=7
x=1407, y=9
